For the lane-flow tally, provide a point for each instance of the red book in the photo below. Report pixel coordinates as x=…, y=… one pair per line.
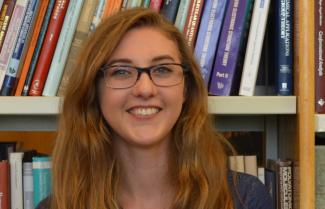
x=319, y=58
x=48, y=47
x=155, y=5
x=193, y=21
x=4, y=184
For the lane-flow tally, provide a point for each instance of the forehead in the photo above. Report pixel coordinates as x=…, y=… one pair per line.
x=143, y=44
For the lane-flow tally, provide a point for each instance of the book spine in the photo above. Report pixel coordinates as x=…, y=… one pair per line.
x=133, y=4
x=155, y=5
x=231, y=38
x=208, y=35
x=41, y=178
x=81, y=34
x=14, y=63
x=254, y=47
x=16, y=180
x=285, y=182
x=28, y=185
x=37, y=49
x=7, y=10
x=111, y=7
x=319, y=57
x=169, y=9
x=284, y=46
x=10, y=40
x=62, y=48
x=145, y=3
x=182, y=14
x=48, y=48
x=4, y=184
x=270, y=183
x=98, y=15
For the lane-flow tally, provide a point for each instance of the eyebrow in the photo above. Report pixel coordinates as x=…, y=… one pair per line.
x=129, y=61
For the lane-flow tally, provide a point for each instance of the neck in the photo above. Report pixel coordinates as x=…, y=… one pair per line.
x=145, y=178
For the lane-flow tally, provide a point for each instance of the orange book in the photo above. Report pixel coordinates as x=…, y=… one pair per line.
x=111, y=7
x=32, y=44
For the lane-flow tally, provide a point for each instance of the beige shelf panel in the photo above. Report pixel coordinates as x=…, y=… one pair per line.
x=234, y=105
x=320, y=123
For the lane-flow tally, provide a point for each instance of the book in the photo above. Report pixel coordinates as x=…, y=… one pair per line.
x=254, y=47
x=41, y=178
x=182, y=14
x=227, y=70
x=81, y=34
x=37, y=50
x=97, y=15
x=17, y=56
x=28, y=189
x=155, y=5
x=284, y=46
x=270, y=183
x=145, y=3
x=261, y=174
x=319, y=57
x=208, y=35
x=111, y=7
x=48, y=48
x=4, y=184
x=16, y=179
x=11, y=37
x=250, y=164
x=133, y=3
x=62, y=48
x=320, y=176
x=236, y=163
x=6, y=13
x=39, y=15
x=169, y=9
x=192, y=21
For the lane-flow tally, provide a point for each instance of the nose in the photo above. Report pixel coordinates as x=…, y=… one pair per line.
x=144, y=87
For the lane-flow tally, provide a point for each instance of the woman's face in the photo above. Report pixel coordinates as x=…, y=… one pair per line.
x=144, y=114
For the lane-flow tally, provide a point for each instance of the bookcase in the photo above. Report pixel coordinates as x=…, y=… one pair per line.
x=289, y=122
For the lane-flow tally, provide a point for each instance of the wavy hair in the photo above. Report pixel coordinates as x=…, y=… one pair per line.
x=85, y=171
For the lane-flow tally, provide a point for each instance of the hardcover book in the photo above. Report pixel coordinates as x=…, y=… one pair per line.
x=182, y=14
x=208, y=35
x=4, y=184
x=6, y=13
x=169, y=9
x=227, y=70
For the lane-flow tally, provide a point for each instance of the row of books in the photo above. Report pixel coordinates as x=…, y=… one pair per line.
x=277, y=177
x=40, y=40
x=25, y=177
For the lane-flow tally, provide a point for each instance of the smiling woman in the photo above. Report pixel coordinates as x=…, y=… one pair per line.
x=134, y=130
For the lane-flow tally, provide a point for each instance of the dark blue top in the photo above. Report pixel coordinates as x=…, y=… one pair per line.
x=249, y=193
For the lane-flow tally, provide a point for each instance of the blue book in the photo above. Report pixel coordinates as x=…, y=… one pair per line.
x=38, y=47
x=226, y=73
x=208, y=35
x=12, y=70
x=42, y=178
x=284, y=46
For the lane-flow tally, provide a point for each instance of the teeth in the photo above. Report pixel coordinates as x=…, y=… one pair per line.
x=145, y=111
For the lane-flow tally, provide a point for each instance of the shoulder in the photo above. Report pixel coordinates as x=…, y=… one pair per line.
x=248, y=192
x=44, y=204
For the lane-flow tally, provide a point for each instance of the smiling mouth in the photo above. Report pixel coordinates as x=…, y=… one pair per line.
x=144, y=111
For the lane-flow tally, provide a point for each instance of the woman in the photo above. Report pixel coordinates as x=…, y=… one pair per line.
x=135, y=131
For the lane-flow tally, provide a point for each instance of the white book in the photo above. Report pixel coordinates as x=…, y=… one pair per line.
x=236, y=163
x=250, y=162
x=133, y=3
x=28, y=188
x=62, y=48
x=12, y=34
x=16, y=179
x=254, y=47
x=261, y=174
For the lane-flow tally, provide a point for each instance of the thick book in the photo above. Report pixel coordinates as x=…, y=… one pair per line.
x=169, y=9
x=111, y=7
x=193, y=21
x=284, y=46
x=81, y=34
x=41, y=178
x=20, y=48
x=182, y=13
x=39, y=16
x=254, y=47
x=38, y=47
x=4, y=184
x=155, y=5
x=12, y=36
x=320, y=176
x=6, y=13
x=208, y=35
x=62, y=48
x=28, y=189
x=48, y=48
x=16, y=179
x=227, y=68
x=319, y=56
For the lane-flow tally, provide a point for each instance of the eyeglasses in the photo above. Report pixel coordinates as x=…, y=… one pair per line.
x=124, y=76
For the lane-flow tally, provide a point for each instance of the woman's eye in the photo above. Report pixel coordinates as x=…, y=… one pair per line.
x=120, y=72
x=162, y=70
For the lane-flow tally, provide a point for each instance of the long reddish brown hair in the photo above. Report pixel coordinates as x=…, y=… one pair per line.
x=85, y=172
